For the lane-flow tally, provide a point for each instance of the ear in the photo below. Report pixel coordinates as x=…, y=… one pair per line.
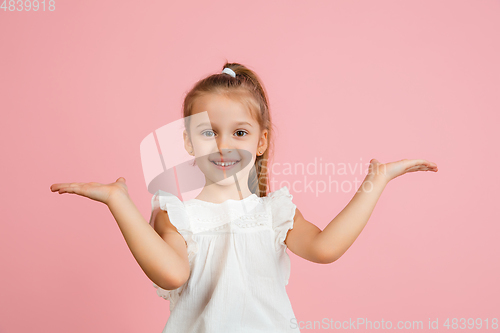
x=263, y=142
x=187, y=143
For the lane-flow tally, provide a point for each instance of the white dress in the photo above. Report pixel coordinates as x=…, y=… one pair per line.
x=239, y=264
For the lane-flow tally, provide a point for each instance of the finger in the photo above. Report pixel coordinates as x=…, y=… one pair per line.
x=412, y=165
x=58, y=186
x=421, y=167
x=428, y=163
x=417, y=162
x=71, y=189
x=63, y=190
x=412, y=169
x=75, y=187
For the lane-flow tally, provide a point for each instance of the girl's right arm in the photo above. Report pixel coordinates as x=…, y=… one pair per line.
x=161, y=252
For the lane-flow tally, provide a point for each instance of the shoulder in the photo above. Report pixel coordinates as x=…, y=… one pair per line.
x=168, y=215
x=301, y=239
x=162, y=223
x=281, y=192
x=168, y=232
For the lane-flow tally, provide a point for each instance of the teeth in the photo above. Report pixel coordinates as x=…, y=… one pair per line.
x=225, y=163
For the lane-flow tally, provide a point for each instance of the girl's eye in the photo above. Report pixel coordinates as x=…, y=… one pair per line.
x=209, y=136
x=210, y=133
x=240, y=131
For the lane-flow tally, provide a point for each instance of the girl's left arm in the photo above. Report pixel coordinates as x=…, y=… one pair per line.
x=309, y=242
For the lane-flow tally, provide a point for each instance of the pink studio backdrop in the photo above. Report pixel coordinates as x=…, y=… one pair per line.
x=348, y=81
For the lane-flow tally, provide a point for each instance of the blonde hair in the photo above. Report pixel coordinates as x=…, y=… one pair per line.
x=247, y=88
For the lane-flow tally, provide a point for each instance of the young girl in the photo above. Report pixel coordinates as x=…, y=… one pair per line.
x=221, y=258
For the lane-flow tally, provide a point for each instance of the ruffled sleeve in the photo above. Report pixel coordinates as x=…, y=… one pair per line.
x=178, y=217
x=283, y=212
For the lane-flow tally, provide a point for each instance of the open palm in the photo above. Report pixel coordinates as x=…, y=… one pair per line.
x=389, y=171
x=95, y=191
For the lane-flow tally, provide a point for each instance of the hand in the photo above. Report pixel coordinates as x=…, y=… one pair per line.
x=392, y=170
x=95, y=191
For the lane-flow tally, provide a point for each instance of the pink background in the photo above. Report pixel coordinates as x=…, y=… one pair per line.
x=348, y=81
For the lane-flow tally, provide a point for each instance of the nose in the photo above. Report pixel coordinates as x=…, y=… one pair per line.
x=224, y=144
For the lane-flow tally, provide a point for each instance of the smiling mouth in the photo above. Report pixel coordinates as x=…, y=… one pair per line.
x=224, y=164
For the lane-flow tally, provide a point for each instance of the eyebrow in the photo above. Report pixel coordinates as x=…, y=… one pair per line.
x=240, y=123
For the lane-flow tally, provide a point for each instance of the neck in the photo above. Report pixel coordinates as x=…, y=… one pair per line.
x=217, y=193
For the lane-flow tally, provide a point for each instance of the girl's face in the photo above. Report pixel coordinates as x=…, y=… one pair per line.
x=225, y=146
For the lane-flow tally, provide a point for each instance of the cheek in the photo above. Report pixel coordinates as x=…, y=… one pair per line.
x=203, y=145
x=248, y=153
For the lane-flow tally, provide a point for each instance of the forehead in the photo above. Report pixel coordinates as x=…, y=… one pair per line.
x=222, y=110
